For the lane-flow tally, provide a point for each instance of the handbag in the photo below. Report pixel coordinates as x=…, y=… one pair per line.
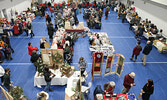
x=140, y=94
x=29, y=31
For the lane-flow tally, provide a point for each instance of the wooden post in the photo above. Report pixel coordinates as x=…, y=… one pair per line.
x=7, y=95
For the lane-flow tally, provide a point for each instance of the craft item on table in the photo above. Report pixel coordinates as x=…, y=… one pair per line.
x=46, y=45
x=17, y=93
x=67, y=25
x=55, y=67
x=57, y=58
x=46, y=59
x=66, y=70
x=80, y=26
x=40, y=66
x=99, y=97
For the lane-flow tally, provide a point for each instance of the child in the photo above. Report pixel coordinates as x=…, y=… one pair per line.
x=136, y=51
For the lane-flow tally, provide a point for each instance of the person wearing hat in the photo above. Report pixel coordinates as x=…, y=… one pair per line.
x=128, y=82
x=109, y=87
x=42, y=96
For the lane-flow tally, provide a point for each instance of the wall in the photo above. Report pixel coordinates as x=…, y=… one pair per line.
x=155, y=12
x=16, y=5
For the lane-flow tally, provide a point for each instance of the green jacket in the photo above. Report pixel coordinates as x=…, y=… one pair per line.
x=6, y=79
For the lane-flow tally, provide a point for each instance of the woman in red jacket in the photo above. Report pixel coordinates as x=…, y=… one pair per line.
x=136, y=51
x=16, y=29
x=30, y=48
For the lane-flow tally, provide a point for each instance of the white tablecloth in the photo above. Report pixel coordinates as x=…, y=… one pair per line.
x=146, y=35
x=57, y=80
x=2, y=71
x=106, y=47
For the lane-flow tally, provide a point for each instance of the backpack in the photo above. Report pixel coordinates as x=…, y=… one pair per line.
x=98, y=90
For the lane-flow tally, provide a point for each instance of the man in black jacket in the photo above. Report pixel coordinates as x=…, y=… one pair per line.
x=6, y=39
x=51, y=31
x=146, y=51
x=48, y=75
x=34, y=58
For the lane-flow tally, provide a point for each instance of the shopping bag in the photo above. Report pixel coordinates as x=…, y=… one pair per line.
x=46, y=45
x=29, y=31
x=140, y=95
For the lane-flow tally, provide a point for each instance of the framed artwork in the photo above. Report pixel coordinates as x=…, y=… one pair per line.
x=109, y=63
x=120, y=64
x=97, y=64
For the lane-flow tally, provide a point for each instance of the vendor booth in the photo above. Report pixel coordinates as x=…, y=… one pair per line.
x=106, y=46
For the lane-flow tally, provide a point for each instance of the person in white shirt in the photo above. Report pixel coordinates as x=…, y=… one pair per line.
x=97, y=41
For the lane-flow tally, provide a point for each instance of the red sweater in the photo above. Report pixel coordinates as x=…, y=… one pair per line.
x=16, y=29
x=137, y=50
x=127, y=81
x=30, y=49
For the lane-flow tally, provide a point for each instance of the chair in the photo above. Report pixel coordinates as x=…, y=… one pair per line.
x=85, y=89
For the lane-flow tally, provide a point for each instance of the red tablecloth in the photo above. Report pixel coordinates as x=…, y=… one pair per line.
x=74, y=30
x=118, y=95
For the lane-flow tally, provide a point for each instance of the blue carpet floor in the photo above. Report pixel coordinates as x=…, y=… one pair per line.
x=22, y=71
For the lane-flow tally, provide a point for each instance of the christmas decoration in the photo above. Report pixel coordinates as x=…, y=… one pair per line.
x=57, y=58
x=17, y=93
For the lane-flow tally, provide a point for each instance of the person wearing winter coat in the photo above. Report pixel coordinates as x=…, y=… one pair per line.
x=6, y=39
x=34, y=58
x=136, y=51
x=146, y=51
x=128, y=82
x=31, y=48
x=51, y=31
x=107, y=12
x=147, y=90
x=29, y=28
x=16, y=29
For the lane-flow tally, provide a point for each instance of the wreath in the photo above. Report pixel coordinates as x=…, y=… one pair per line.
x=57, y=58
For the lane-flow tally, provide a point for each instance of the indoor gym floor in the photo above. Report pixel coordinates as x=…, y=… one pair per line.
x=23, y=71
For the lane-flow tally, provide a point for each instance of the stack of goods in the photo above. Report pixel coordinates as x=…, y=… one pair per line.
x=66, y=70
x=80, y=26
x=67, y=25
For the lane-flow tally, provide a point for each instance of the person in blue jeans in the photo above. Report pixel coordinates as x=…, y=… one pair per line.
x=48, y=78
